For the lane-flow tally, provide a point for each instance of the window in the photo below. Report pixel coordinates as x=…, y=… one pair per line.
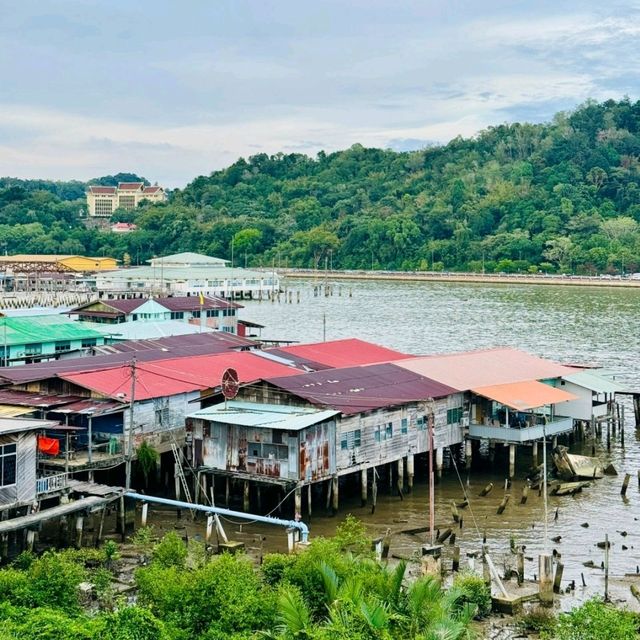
x=32, y=349
x=384, y=432
x=212, y=313
x=351, y=439
x=195, y=314
x=134, y=317
x=404, y=425
x=161, y=407
x=389, y=431
x=268, y=451
x=454, y=415
x=421, y=423
x=7, y=464
x=377, y=434
x=63, y=345
x=89, y=342
x=228, y=329
x=177, y=315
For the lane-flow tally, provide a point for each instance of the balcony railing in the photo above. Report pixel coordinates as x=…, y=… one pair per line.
x=525, y=434
x=48, y=484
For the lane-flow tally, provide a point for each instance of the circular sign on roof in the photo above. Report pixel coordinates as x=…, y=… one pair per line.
x=230, y=384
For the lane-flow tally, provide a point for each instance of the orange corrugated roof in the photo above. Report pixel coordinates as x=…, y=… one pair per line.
x=464, y=371
x=529, y=394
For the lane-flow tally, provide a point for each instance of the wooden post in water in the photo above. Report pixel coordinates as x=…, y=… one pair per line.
x=374, y=490
x=439, y=462
x=176, y=480
x=557, y=581
x=226, y=493
x=79, y=526
x=545, y=578
x=606, y=567
x=246, y=504
x=363, y=487
x=520, y=566
x=512, y=460
x=608, y=437
x=534, y=453
x=297, y=502
x=525, y=494
x=335, y=503
x=145, y=512
x=410, y=472
x=209, y=530
x=468, y=453
x=309, y=500
x=622, y=426
x=400, y=464
x=122, y=517
x=98, y=540
x=503, y=504
x=456, y=559
x=625, y=484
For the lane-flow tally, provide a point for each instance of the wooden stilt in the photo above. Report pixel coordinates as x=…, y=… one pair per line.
x=363, y=487
x=334, y=494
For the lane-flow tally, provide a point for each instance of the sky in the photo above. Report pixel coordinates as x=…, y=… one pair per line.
x=175, y=89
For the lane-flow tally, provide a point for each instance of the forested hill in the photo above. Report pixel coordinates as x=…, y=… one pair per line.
x=562, y=196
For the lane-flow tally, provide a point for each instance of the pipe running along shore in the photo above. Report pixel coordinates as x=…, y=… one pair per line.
x=294, y=524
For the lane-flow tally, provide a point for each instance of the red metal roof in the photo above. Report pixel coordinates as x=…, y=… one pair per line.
x=130, y=186
x=344, y=353
x=484, y=367
x=362, y=388
x=153, y=189
x=97, y=189
x=178, y=375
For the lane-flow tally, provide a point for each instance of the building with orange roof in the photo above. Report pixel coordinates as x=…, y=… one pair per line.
x=102, y=201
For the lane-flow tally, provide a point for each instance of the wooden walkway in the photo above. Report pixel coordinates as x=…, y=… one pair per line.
x=24, y=522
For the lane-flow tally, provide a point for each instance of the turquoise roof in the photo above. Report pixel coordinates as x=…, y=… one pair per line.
x=265, y=416
x=42, y=329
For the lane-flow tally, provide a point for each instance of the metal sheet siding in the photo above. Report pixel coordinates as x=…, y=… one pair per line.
x=389, y=449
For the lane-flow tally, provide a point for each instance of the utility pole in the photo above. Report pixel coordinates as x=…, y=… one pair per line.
x=129, y=454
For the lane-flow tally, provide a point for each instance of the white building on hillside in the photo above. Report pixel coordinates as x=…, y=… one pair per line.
x=103, y=201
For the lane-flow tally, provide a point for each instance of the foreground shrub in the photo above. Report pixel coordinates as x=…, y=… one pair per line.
x=131, y=623
x=473, y=591
x=537, y=619
x=170, y=551
x=595, y=620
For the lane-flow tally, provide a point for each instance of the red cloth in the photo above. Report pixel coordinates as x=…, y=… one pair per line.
x=50, y=446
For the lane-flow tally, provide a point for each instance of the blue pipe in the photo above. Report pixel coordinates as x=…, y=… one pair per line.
x=301, y=526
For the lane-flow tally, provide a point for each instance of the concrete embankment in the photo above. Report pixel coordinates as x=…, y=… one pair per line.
x=503, y=279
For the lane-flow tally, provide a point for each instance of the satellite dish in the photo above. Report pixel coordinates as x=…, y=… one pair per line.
x=230, y=384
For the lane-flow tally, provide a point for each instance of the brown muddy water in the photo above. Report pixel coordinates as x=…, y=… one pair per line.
x=566, y=324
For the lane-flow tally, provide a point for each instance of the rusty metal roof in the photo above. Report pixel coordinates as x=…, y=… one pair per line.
x=471, y=369
x=33, y=399
x=344, y=353
x=89, y=406
x=529, y=394
x=357, y=389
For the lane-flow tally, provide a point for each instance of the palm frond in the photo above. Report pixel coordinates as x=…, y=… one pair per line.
x=293, y=612
x=330, y=581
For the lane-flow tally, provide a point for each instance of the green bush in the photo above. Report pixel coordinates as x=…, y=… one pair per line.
x=274, y=566
x=131, y=623
x=228, y=595
x=351, y=535
x=473, y=591
x=595, y=620
x=53, y=582
x=44, y=623
x=170, y=551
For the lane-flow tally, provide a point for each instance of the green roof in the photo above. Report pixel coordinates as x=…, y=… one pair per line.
x=49, y=328
x=186, y=273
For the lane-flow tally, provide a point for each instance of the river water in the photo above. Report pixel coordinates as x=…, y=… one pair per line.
x=567, y=324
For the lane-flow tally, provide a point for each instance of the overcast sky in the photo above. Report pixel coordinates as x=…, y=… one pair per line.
x=174, y=89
